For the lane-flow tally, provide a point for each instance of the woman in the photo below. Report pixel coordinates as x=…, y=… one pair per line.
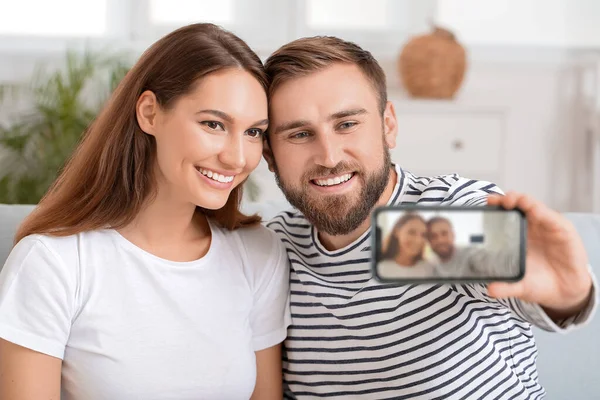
x=403, y=254
x=137, y=277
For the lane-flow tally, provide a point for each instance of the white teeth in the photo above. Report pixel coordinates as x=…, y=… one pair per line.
x=333, y=181
x=216, y=177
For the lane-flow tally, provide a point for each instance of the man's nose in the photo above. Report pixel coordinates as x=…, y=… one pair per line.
x=329, y=151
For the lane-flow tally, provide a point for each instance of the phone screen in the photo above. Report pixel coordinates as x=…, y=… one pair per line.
x=441, y=243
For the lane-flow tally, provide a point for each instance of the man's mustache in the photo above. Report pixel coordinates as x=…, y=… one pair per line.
x=339, y=169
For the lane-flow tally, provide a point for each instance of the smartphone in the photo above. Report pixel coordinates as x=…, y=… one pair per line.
x=448, y=244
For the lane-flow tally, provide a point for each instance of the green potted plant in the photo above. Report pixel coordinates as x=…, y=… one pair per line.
x=35, y=143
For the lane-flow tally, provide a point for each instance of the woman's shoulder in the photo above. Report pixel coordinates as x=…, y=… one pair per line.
x=258, y=246
x=256, y=238
x=63, y=242
x=46, y=243
x=61, y=247
x=47, y=258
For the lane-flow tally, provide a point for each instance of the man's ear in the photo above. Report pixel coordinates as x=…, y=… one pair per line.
x=146, y=110
x=390, y=125
x=268, y=154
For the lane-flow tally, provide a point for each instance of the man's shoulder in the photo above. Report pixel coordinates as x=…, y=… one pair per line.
x=445, y=188
x=287, y=221
x=446, y=181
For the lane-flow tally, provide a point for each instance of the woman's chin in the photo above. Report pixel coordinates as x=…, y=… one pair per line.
x=212, y=203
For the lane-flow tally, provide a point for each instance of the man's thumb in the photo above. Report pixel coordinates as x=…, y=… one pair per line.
x=503, y=290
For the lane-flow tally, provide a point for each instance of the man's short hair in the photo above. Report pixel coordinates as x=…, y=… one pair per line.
x=434, y=220
x=308, y=55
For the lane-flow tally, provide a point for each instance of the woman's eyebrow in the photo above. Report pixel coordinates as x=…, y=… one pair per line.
x=261, y=122
x=228, y=118
x=217, y=113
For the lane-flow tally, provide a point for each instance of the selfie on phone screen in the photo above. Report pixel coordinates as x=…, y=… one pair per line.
x=441, y=244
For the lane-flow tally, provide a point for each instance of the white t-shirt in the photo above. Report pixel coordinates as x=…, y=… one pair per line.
x=130, y=325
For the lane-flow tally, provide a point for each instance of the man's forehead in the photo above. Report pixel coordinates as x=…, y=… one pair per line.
x=337, y=73
x=441, y=225
x=337, y=87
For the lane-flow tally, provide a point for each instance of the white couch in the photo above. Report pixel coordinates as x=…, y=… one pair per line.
x=568, y=365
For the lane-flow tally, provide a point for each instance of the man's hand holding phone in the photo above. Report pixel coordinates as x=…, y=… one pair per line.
x=557, y=276
x=517, y=245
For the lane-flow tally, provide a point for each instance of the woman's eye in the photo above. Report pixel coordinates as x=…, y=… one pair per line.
x=214, y=125
x=255, y=133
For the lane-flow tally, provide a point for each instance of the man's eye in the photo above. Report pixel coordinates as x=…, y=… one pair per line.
x=347, y=125
x=299, y=135
x=214, y=125
x=255, y=133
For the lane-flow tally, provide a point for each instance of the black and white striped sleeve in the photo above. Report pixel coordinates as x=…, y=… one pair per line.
x=470, y=192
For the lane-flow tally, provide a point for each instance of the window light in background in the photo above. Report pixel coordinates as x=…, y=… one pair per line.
x=554, y=23
x=178, y=12
x=347, y=14
x=53, y=18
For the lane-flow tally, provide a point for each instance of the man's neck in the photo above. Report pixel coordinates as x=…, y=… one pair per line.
x=336, y=242
x=448, y=256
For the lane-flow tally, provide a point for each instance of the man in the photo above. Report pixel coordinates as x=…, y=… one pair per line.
x=351, y=337
x=441, y=238
x=472, y=261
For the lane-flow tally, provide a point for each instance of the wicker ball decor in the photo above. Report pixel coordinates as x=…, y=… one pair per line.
x=433, y=65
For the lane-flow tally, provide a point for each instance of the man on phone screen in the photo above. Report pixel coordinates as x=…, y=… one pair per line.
x=483, y=261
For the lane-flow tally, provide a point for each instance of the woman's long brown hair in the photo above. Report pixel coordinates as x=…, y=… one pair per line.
x=109, y=177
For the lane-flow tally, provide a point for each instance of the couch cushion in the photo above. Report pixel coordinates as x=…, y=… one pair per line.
x=588, y=226
x=568, y=365
x=10, y=217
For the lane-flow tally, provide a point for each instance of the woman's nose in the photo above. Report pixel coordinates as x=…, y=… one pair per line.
x=232, y=154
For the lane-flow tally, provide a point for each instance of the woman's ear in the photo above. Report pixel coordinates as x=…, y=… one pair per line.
x=146, y=109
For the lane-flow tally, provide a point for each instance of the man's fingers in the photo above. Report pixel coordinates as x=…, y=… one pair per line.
x=507, y=201
x=532, y=208
x=494, y=199
x=542, y=215
x=503, y=290
x=527, y=204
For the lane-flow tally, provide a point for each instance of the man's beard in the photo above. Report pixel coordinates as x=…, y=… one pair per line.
x=338, y=214
x=444, y=253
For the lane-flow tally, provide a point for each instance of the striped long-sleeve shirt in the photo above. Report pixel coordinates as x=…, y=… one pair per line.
x=353, y=337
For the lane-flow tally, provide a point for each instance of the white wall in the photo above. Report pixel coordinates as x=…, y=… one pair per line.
x=546, y=153
x=554, y=23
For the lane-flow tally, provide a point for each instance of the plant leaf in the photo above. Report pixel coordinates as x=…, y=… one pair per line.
x=36, y=144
